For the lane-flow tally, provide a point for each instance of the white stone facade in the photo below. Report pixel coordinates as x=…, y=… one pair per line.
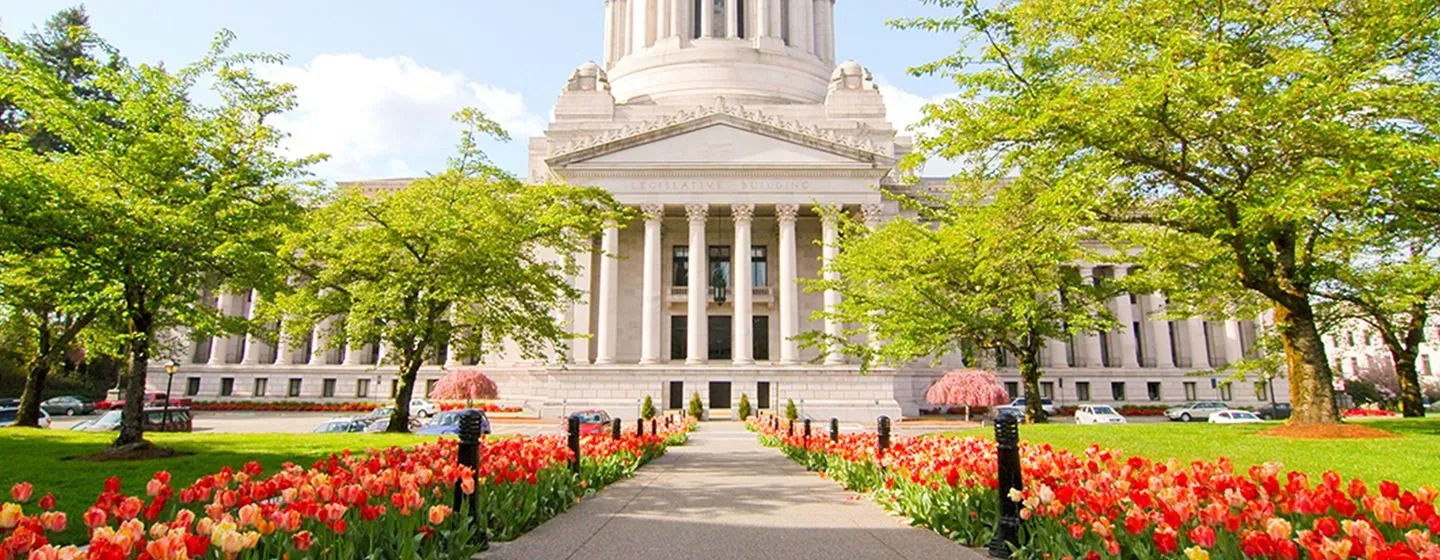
x=743, y=131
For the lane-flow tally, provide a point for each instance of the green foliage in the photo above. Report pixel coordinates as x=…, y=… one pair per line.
x=157, y=197
x=744, y=406
x=647, y=409
x=790, y=411
x=697, y=410
x=1237, y=144
x=470, y=255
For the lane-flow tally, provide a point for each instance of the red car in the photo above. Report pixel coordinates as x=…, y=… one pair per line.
x=151, y=399
x=591, y=422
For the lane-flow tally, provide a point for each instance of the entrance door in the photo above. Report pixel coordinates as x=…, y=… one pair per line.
x=719, y=395
x=719, y=337
x=677, y=395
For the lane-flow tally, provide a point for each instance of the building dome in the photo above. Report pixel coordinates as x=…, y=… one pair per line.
x=692, y=51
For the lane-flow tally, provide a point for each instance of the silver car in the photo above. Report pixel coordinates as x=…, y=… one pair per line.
x=1197, y=410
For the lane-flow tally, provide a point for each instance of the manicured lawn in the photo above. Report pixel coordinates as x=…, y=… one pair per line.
x=1412, y=460
x=41, y=457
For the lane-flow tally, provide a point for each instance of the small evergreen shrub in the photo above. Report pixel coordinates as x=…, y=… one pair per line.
x=744, y=406
x=697, y=410
x=790, y=411
x=647, y=410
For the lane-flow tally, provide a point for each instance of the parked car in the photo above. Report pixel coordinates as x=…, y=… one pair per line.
x=1234, y=417
x=591, y=421
x=1097, y=414
x=341, y=426
x=379, y=420
x=448, y=423
x=1194, y=410
x=1016, y=411
x=8, y=414
x=1045, y=404
x=152, y=399
x=1274, y=411
x=68, y=406
x=423, y=408
x=179, y=420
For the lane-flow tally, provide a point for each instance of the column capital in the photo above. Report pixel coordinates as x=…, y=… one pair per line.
x=828, y=212
x=1120, y=271
x=787, y=212
x=697, y=212
x=870, y=213
x=742, y=212
x=652, y=212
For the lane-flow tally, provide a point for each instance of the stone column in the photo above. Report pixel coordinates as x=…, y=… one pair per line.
x=1234, y=351
x=789, y=305
x=1058, y=355
x=353, y=350
x=319, y=340
x=284, y=348
x=609, y=294
x=830, y=238
x=762, y=17
x=609, y=33
x=871, y=215
x=732, y=19
x=742, y=341
x=580, y=321
x=1199, y=350
x=807, y=23
x=799, y=34
x=383, y=353
x=1091, y=341
x=662, y=19
x=639, y=25
x=707, y=20
x=253, y=343
x=651, y=299
x=680, y=21
x=220, y=344
x=817, y=11
x=1159, y=330
x=697, y=292
x=1125, y=315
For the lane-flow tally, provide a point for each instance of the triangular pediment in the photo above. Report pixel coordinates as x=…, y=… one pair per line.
x=719, y=139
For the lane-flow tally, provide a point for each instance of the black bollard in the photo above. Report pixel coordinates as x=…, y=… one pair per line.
x=834, y=430
x=807, y=435
x=574, y=431
x=883, y=429
x=667, y=420
x=1007, y=526
x=472, y=427
x=640, y=427
x=652, y=427
x=790, y=430
x=615, y=428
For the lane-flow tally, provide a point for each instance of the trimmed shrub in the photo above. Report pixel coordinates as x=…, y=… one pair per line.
x=697, y=410
x=647, y=410
x=744, y=406
x=790, y=411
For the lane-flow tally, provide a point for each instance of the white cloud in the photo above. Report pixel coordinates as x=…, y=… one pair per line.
x=386, y=117
x=904, y=109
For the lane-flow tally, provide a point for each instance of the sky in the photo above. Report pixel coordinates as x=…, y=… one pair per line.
x=377, y=80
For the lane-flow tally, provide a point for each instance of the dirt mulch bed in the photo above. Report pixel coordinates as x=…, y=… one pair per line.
x=1328, y=431
x=141, y=451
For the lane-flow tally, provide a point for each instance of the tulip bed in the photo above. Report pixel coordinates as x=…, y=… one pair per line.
x=381, y=504
x=1101, y=504
x=287, y=406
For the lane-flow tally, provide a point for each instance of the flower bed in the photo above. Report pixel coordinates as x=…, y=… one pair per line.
x=288, y=406
x=392, y=503
x=1368, y=413
x=1101, y=504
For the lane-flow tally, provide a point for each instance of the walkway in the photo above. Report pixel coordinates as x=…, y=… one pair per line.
x=723, y=496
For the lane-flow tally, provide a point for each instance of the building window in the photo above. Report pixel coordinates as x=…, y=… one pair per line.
x=192, y=386
x=719, y=258
x=760, y=337
x=260, y=386
x=1013, y=389
x=1152, y=389
x=327, y=388
x=680, y=266
x=1139, y=344
x=1105, y=349
x=429, y=388
x=1354, y=366
x=394, y=387
x=362, y=389
x=1350, y=338
x=1262, y=392
x=1117, y=390
x=294, y=390
x=1226, y=392
x=678, y=337
x=1082, y=391
x=759, y=274
x=1047, y=389
x=227, y=386
x=1190, y=393
x=1002, y=359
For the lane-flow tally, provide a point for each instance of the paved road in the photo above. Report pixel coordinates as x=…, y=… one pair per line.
x=723, y=496
x=301, y=422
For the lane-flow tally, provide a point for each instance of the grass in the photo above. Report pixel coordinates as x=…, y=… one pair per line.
x=1412, y=460
x=43, y=458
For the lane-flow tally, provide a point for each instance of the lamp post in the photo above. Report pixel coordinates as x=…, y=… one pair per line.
x=170, y=367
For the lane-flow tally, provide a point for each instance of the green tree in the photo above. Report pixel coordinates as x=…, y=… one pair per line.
x=790, y=411
x=697, y=410
x=988, y=269
x=471, y=257
x=177, y=197
x=647, y=409
x=744, y=406
x=1230, y=140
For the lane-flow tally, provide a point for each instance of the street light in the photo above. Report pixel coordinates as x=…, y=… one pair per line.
x=170, y=367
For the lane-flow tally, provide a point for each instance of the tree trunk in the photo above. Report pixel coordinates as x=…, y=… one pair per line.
x=29, y=414
x=1412, y=401
x=132, y=416
x=1030, y=375
x=1312, y=392
x=400, y=419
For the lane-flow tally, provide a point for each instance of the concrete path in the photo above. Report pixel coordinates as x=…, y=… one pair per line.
x=723, y=496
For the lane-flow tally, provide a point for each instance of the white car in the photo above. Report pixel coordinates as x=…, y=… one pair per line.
x=1234, y=417
x=423, y=408
x=1097, y=414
